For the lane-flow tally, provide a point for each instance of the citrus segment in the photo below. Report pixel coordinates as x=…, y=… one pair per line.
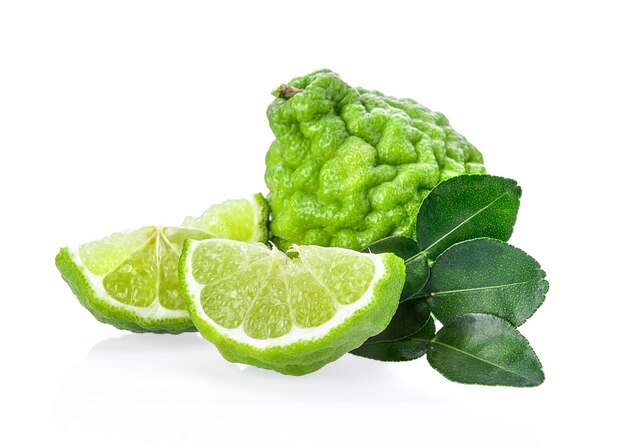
x=235, y=219
x=134, y=281
x=311, y=302
x=352, y=274
x=269, y=315
x=102, y=256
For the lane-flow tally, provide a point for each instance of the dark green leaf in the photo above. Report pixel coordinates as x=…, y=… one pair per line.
x=410, y=317
x=401, y=246
x=416, y=264
x=417, y=272
x=466, y=207
x=405, y=349
x=484, y=349
x=486, y=276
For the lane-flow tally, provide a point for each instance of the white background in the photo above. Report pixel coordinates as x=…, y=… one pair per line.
x=118, y=114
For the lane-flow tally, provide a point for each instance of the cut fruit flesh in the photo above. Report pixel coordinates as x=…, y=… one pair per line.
x=235, y=219
x=149, y=275
x=276, y=300
x=130, y=279
x=292, y=315
x=132, y=276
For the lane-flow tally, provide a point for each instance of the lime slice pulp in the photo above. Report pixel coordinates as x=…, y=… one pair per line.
x=235, y=219
x=130, y=279
x=292, y=315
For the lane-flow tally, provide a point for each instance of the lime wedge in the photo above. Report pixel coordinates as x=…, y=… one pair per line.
x=130, y=279
x=292, y=315
x=236, y=219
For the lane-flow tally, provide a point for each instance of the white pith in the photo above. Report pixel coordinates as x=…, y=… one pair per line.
x=154, y=311
x=297, y=333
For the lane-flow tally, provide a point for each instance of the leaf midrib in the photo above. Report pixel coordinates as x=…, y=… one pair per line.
x=481, y=288
x=465, y=221
x=433, y=341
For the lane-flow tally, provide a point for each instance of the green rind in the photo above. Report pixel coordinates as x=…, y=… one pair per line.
x=308, y=356
x=416, y=265
x=411, y=316
x=350, y=166
x=263, y=212
x=119, y=317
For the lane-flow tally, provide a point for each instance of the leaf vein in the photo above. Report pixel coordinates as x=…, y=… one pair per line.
x=465, y=221
x=481, y=359
x=481, y=288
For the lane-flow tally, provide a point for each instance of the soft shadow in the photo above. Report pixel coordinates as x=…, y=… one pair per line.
x=165, y=390
x=150, y=369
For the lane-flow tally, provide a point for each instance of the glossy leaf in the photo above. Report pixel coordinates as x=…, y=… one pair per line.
x=486, y=276
x=484, y=349
x=417, y=269
x=401, y=246
x=417, y=273
x=410, y=317
x=466, y=207
x=405, y=349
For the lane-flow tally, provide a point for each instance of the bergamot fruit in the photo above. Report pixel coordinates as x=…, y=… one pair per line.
x=350, y=166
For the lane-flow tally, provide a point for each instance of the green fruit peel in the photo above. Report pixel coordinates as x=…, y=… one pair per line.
x=350, y=166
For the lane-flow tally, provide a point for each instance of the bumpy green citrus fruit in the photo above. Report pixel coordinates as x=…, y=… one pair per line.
x=350, y=166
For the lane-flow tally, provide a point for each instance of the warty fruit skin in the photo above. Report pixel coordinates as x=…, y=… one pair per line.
x=350, y=166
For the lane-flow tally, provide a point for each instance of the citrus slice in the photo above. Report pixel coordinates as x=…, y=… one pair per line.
x=235, y=219
x=292, y=315
x=130, y=279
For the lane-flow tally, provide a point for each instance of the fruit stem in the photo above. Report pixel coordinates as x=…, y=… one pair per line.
x=285, y=91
